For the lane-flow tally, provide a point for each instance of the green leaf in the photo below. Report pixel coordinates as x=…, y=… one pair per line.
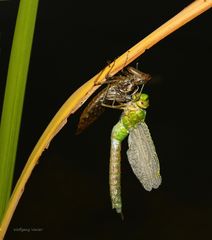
x=14, y=95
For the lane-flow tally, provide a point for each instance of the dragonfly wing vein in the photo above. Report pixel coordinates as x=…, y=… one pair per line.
x=143, y=158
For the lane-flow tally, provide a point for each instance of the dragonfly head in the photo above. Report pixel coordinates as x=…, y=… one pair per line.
x=138, y=76
x=142, y=100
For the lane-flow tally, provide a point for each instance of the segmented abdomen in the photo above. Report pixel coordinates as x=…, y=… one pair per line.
x=119, y=133
x=115, y=175
x=93, y=110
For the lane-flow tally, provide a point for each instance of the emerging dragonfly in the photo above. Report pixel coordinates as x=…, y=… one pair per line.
x=141, y=153
x=120, y=90
x=124, y=92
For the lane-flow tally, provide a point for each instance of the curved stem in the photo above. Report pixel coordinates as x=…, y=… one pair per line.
x=82, y=94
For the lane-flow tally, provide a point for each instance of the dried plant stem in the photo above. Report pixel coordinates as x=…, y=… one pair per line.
x=82, y=94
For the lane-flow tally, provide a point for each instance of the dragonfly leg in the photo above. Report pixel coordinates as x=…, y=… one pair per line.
x=120, y=106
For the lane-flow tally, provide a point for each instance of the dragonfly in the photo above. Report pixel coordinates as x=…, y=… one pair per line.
x=141, y=154
x=120, y=89
x=124, y=91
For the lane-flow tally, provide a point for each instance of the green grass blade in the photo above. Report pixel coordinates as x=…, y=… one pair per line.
x=14, y=95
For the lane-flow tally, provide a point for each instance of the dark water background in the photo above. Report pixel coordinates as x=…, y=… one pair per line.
x=67, y=196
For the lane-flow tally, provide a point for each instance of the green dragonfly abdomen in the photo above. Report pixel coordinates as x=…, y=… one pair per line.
x=119, y=132
x=133, y=114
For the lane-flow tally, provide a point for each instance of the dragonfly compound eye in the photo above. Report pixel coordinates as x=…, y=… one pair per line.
x=144, y=97
x=143, y=101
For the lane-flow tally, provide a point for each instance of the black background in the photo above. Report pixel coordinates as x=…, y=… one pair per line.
x=67, y=196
